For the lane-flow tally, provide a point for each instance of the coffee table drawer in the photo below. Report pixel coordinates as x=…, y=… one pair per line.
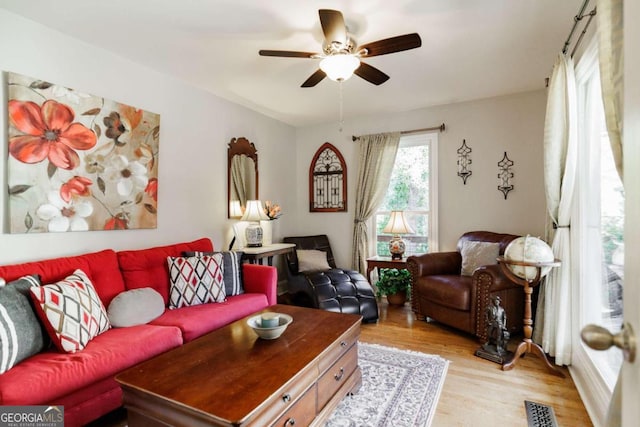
x=301, y=413
x=332, y=380
x=339, y=348
x=287, y=398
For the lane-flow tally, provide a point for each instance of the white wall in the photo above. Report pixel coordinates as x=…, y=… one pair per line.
x=195, y=130
x=514, y=124
x=196, y=127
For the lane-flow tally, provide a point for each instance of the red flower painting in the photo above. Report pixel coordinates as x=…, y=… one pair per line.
x=49, y=132
x=78, y=162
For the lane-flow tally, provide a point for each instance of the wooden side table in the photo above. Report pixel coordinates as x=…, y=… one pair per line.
x=384, y=262
x=257, y=255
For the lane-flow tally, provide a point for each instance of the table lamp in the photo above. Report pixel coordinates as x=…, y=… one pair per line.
x=397, y=225
x=254, y=213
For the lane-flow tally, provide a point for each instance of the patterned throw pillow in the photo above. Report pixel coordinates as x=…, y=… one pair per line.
x=232, y=270
x=71, y=311
x=195, y=280
x=20, y=331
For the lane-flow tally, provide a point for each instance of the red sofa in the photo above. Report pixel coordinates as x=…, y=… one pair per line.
x=83, y=382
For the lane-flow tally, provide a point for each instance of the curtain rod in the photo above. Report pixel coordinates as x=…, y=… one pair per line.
x=576, y=21
x=441, y=128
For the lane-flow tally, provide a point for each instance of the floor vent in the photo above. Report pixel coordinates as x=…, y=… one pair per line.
x=539, y=415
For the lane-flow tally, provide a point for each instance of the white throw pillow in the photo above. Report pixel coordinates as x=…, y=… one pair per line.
x=477, y=254
x=135, y=307
x=312, y=260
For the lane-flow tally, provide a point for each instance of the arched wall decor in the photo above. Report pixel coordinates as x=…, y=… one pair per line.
x=328, y=181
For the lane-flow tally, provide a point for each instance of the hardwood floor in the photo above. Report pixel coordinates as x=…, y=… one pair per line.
x=477, y=392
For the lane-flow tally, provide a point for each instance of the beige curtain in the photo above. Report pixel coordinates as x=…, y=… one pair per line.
x=610, y=47
x=610, y=42
x=377, y=154
x=554, y=315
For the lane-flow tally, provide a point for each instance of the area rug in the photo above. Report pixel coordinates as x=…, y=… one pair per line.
x=400, y=388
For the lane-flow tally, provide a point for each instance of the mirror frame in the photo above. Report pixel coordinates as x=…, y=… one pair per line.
x=239, y=146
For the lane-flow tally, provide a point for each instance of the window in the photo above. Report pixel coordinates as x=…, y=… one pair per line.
x=412, y=189
x=599, y=220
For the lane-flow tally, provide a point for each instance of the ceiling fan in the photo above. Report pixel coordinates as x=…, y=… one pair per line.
x=341, y=56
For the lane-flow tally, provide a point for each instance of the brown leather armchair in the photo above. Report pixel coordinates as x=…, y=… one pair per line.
x=441, y=293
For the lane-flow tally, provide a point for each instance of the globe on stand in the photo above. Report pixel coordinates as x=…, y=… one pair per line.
x=526, y=261
x=528, y=249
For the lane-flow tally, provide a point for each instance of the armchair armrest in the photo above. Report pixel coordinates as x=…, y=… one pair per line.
x=434, y=264
x=496, y=279
x=262, y=279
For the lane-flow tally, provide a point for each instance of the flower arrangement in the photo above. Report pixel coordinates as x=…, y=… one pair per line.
x=272, y=210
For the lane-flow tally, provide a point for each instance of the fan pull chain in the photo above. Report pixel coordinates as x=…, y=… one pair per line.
x=341, y=108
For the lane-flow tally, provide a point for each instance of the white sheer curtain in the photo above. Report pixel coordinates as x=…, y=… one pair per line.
x=554, y=316
x=610, y=43
x=377, y=155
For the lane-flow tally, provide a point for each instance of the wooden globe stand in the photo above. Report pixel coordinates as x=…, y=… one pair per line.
x=527, y=345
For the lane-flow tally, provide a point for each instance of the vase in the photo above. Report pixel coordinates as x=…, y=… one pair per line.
x=397, y=299
x=267, y=233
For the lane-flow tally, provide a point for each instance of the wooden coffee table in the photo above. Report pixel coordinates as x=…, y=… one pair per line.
x=230, y=377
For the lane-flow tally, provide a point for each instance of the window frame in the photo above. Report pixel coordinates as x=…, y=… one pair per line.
x=413, y=140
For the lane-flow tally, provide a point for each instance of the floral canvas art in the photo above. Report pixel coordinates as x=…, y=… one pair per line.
x=79, y=162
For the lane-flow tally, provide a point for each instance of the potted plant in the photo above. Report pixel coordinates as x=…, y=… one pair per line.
x=395, y=284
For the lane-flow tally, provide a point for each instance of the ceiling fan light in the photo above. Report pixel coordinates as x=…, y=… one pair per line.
x=339, y=67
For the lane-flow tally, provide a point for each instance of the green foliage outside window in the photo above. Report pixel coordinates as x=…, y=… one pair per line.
x=408, y=191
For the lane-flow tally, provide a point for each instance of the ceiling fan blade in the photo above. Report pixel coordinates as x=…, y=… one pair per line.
x=371, y=74
x=314, y=79
x=333, y=26
x=392, y=45
x=287, y=53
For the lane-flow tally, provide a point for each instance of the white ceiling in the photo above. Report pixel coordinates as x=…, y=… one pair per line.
x=471, y=49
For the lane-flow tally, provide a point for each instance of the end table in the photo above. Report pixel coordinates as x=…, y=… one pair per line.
x=378, y=262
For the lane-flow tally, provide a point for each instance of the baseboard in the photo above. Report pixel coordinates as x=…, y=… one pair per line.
x=593, y=390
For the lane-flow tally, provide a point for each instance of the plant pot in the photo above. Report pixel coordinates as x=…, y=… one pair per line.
x=397, y=299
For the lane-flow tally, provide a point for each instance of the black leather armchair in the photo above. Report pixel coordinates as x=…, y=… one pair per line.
x=336, y=289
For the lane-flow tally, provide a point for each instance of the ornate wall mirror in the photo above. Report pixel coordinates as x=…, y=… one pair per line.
x=242, y=172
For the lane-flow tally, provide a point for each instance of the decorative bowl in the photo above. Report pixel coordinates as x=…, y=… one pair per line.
x=271, y=333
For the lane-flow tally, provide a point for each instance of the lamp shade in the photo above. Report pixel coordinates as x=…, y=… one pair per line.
x=235, y=210
x=397, y=224
x=254, y=211
x=339, y=67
